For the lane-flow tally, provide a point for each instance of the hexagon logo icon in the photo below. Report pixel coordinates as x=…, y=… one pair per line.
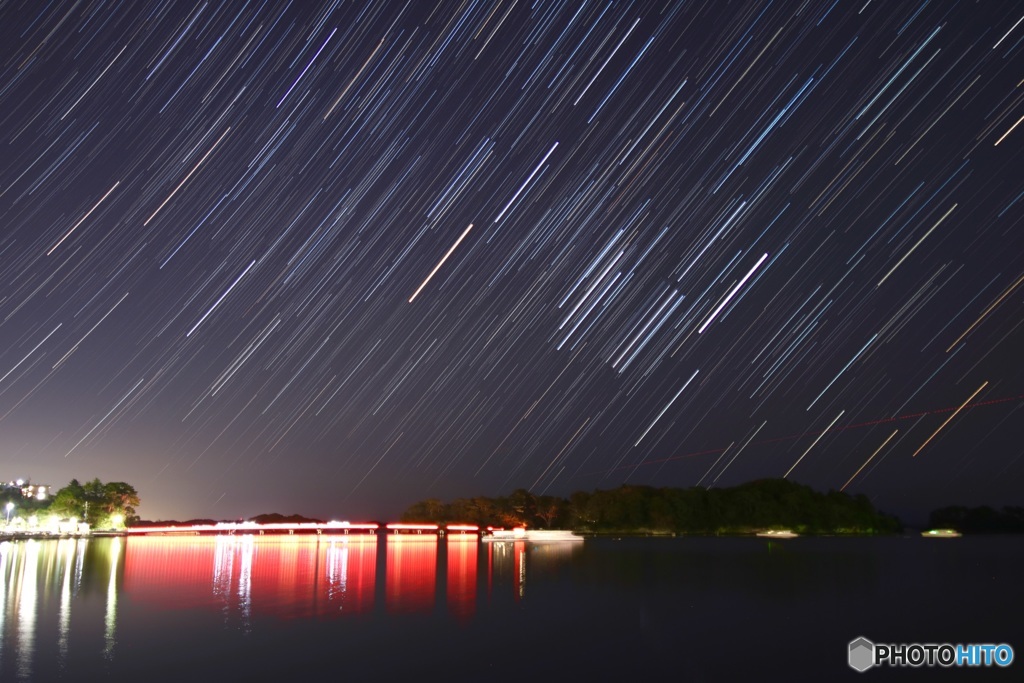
x=862, y=654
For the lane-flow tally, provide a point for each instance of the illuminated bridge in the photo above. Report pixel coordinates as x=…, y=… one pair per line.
x=305, y=528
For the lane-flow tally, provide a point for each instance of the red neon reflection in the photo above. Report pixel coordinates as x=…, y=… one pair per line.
x=170, y=572
x=281, y=576
x=411, y=573
x=314, y=576
x=462, y=554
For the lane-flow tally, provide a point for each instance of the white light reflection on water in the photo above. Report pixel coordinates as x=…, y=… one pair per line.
x=31, y=573
x=27, y=602
x=65, y=550
x=6, y=550
x=227, y=550
x=110, y=620
x=508, y=558
x=245, y=582
x=223, y=568
x=337, y=569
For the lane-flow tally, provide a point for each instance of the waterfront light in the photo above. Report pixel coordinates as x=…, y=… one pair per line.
x=10, y=506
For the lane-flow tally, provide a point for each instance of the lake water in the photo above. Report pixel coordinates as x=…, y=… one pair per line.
x=284, y=608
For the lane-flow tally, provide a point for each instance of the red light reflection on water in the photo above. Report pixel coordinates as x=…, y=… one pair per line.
x=305, y=576
x=284, y=576
x=462, y=559
x=170, y=572
x=411, y=573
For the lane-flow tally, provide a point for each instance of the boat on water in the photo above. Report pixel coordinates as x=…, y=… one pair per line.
x=941, y=533
x=521, y=534
x=777, y=533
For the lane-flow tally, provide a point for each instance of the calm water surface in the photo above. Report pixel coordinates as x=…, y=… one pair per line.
x=286, y=608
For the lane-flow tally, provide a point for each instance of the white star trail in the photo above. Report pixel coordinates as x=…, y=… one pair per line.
x=441, y=262
x=82, y=219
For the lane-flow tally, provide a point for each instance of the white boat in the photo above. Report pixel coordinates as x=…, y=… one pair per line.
x=521, y=534
x=941, y=533
x=777, y=533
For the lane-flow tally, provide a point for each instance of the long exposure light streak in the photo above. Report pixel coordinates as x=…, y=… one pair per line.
x=217, y=302
x=793, y=467
x=441, y=262
x=955, y=413
x=82, y=219
x=526, y=182
x=667, y=406
x=727, y=299
x=984, y=313
x=916, y=245
x=185, y=179
x=877, y=451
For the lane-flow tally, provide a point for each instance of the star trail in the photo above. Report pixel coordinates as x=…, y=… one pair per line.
x=336, y=258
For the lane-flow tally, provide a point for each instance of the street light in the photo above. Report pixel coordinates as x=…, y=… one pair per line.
x=10, y=506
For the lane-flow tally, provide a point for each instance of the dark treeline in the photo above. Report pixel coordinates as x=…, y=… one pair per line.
x=979, y=520
x=750, y=507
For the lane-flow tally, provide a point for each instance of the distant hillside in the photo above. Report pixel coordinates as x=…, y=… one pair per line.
x=268, y=518
x=277, y=518
x=142, y=523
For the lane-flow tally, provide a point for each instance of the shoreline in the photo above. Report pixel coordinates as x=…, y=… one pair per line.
x=909, y=533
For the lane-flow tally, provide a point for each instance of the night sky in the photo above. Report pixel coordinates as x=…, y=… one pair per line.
x=334, y=259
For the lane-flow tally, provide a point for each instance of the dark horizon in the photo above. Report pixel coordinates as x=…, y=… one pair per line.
x=333, y=260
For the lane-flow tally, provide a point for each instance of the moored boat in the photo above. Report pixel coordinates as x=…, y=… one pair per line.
x=521, y=534
x=941, y=533
x=777, y=533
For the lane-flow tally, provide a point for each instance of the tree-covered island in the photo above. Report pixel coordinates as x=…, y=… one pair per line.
x=110, y=505
x=744, y=509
